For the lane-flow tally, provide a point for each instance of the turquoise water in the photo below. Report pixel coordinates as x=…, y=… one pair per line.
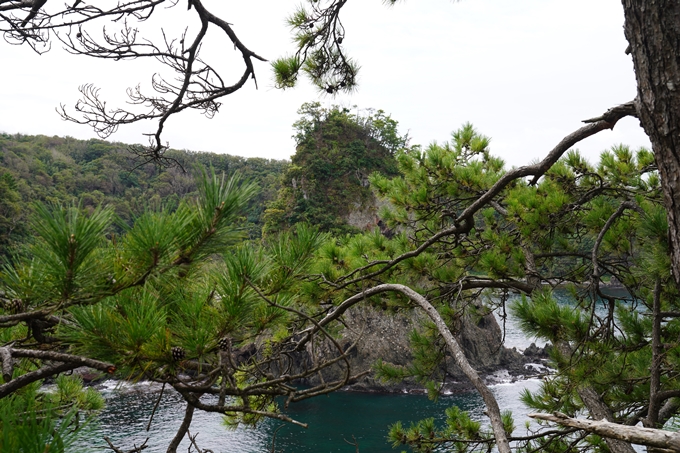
x=361, y=417
x=332, y=419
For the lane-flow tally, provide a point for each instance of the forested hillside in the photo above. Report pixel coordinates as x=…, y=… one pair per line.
x=96, y=172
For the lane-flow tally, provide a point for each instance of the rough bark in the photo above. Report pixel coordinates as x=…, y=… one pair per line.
x=666, y=440
x=653, y=31
x=182, y=431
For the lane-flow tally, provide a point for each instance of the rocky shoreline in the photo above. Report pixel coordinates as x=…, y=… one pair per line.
x=385, y=335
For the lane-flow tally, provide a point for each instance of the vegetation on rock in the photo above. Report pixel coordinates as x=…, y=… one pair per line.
x=336, y=152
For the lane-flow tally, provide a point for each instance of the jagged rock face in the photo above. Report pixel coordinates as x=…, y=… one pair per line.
x=363, y=216
x=482, y=341
x=378, y=334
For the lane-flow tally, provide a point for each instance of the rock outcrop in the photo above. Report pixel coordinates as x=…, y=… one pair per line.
x=378, y=334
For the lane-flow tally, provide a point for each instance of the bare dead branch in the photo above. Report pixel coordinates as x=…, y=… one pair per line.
x=616, y=113
x=67, y=358
x=68, y=362
x=28, y=378
x=134, y=449
x=634, y=434
x=7, y=364
x=196, y=84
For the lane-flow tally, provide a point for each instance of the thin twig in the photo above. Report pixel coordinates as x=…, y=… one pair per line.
x=153, y=412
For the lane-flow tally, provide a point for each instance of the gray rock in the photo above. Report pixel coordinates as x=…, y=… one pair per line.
x=378, y=334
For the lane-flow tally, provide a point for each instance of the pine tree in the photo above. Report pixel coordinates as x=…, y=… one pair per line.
x=179, y=298
x=460, y=235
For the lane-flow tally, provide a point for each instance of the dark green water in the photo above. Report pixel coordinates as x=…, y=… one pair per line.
x=332, y=419
x=360, y=417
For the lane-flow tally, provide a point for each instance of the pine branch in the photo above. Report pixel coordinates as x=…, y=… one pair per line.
x=463, y=223
x=69, y=362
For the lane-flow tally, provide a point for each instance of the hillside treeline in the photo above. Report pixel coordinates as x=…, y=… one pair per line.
x=59, y=170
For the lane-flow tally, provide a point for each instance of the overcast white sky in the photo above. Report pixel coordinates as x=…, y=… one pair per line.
x=524, y=72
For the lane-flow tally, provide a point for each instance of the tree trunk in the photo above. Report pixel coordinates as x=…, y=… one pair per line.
x=652, y=28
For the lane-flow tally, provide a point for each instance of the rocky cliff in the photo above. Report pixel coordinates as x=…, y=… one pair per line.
x=377, y=334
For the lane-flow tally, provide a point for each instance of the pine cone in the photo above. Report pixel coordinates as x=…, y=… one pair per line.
x=224, y=343
x=178, y=353
x=14, y=306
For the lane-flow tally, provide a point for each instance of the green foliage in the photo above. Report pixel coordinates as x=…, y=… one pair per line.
x=11, y=212
x=33, y=422
x=428, y=354
x=59, y=170
x=461, y=433
x=31, y=433
x=218, y=205
x=66, y=250
x=128, y=330
x=160, y=298
x=529, y=238
x=318, y=35
x=135, y=299
x=286, y=70
x=542, y=315
x=336, y=152
x=174, y=288
x=70, y=391
x=292, y=253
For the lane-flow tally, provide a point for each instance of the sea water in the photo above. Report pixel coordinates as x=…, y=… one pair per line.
x=335, y=421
